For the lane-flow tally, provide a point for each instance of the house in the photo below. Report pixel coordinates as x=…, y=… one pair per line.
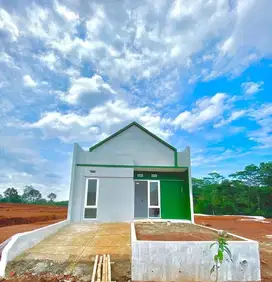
x=132, y=174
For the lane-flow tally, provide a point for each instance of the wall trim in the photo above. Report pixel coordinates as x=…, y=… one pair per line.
x=176, y=158
x=130, y=166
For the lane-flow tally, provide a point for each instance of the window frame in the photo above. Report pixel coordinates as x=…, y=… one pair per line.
x=159, y=198
x=96, y=199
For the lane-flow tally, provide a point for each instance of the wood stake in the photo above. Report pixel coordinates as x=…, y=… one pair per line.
x=109, y=269
x=99, y=269
x=94, y=269
x=106, y=266
x=104, y=270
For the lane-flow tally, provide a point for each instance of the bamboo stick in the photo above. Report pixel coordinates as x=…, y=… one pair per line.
x=106, y=266
x=109, y=269
x=99, y=269
x=104, y=270
x=94, y=269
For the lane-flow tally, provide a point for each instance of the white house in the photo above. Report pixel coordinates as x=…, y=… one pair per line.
x=131, y=174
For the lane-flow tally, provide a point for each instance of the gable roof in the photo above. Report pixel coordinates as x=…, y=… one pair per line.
x=134, y=123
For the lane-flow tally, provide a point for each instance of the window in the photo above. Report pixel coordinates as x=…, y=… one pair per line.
x=154, y=198
x=90, y=209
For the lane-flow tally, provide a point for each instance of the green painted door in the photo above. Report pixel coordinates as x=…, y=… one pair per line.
x=172, y=200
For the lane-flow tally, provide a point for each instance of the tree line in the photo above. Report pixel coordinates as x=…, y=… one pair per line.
x=246, y=192
x=30, y=195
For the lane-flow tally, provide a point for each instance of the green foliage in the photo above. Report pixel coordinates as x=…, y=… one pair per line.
x=11, y=195
x=247, y=192
x=222, y=248
x=62, y=203
x=31, y=195
x=52, y=197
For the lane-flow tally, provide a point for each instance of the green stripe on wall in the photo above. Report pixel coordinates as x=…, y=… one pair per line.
x=130, y=166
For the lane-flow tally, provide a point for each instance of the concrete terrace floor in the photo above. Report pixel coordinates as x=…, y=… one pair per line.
x=72, y=251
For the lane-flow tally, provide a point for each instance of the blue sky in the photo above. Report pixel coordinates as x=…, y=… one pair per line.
x=195, y=73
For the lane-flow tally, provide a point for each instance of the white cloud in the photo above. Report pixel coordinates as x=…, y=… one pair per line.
x=5, y=105
x=251, y=88
x=234, y=115
x=7, y=24
x=253, y=18
x=206, y=110
x=85, y=86
x=247, y=38
x=212, y=158
x=22, y=164
x=141, y=41
x=55, y=63
x=143, y=54
x=28, y=81
x=263, y=117
x=66, y=13
x=50, y=59
x=99, y=122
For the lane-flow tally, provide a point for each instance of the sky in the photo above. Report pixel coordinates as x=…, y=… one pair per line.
x=195, y=73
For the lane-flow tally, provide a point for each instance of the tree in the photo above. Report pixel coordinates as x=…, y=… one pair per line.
x=248, y=192
x=214, y=178
x=31, y=195
x=250, y=175
x=12, y=196
x=266, y=173
x=52, y=197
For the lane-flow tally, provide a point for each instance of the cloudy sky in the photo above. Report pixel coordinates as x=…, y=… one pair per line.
x=195, y=73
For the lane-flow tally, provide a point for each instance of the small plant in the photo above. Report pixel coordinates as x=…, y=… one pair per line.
x=219, y=257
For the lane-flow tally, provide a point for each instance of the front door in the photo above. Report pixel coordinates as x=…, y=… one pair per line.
x=140, y=200
x=147, y=199
x=172, y=200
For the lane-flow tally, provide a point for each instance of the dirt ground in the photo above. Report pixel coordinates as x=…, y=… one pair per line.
x=13, y=214
x=69, y=254
x=175, y=232
x=246, y=227
x=16, y=218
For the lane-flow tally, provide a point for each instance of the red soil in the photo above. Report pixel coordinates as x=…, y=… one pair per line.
x=255, y=230
x=243, y=226
x=16, y=218
x=176, y=232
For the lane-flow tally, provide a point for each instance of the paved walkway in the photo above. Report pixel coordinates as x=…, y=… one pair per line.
x=72, y=250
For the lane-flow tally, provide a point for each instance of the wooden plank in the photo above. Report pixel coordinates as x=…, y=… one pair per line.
x=106, y=266
x=109, y=269
x=94, y=269
x=104, y=269
x=99, y=269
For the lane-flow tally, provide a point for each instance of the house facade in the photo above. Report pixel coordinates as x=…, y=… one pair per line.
x=132, y=174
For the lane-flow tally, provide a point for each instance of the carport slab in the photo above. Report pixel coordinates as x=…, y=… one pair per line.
x=72, y=251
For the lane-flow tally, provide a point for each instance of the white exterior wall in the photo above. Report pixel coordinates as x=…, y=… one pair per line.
x=116, y=186
x=192, y=261
x=133, y=146
x=115, y=194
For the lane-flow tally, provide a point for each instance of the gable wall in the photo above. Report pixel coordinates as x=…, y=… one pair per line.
x=133, y=146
